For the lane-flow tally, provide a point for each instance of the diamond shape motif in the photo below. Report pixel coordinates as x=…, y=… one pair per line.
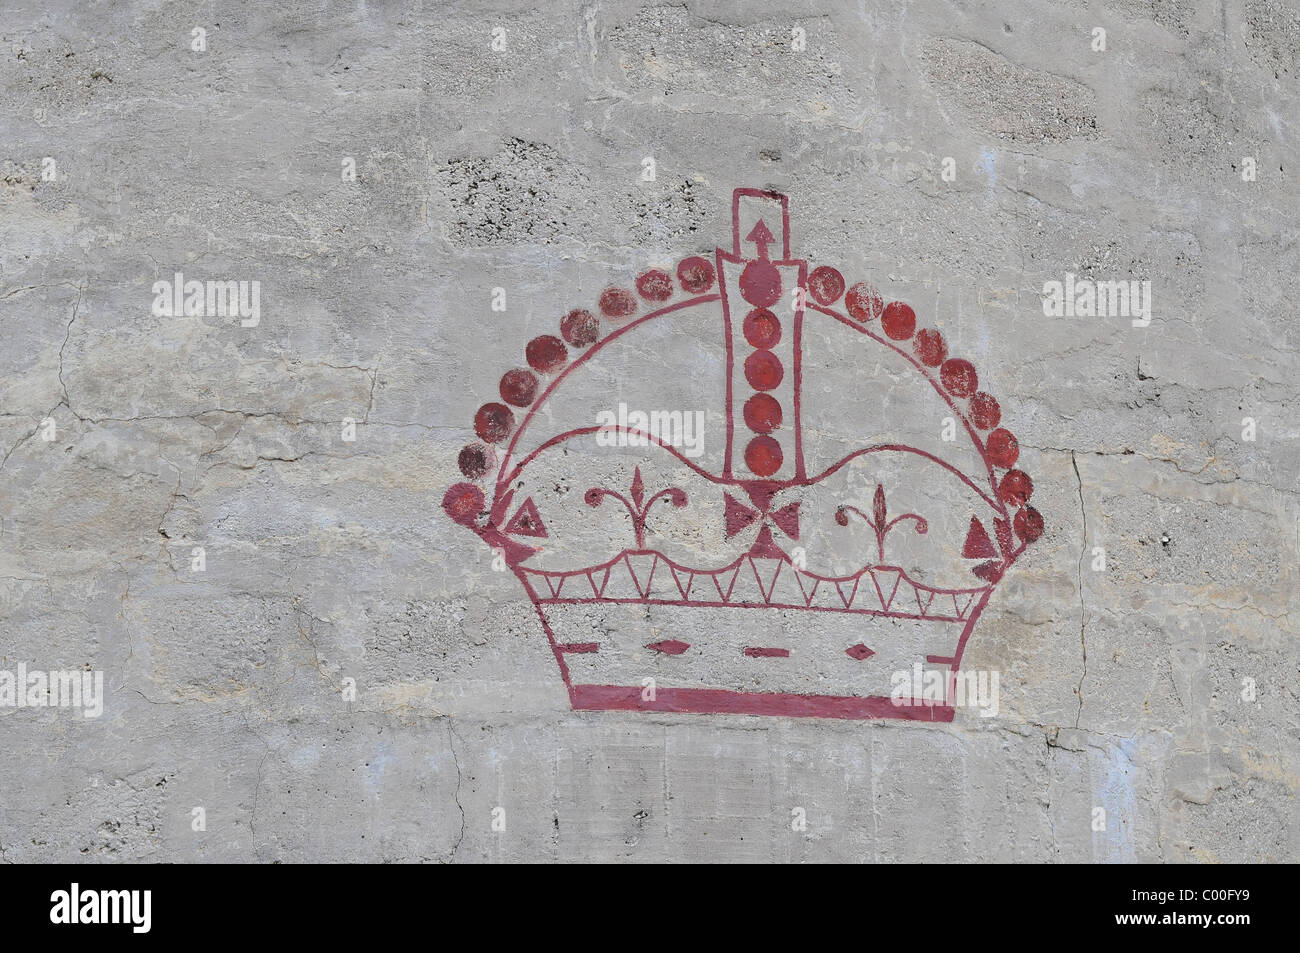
x=669, y=647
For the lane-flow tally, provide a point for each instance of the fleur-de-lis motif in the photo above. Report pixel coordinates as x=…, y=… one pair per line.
x=638, y=507
x=878, y=520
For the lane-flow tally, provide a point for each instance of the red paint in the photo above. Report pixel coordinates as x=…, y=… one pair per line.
x=638, y=507
x=826, y=285
x=760, y=283
x=762, y=413
x=761, y=493
x=755, y=652
x=1016, y=488
x=763, y=370
x=737, y=515
x=1003, y=448
x=518, y=387
x=546, y=354
x=878, y=520
x=617, y=303
x=978, y=545
x=1002, y=529
x=761, y=236
x=762, y=328
x=474, y=460
x=580, y=328
x=930, y=347
x=695, y=275
x=1029, y=524
x=864, y=303
x=493, y=422
x=507, y=472
x=579, y=648
x=959, y=377
x=526, y=521
x=760, y=270
x=984, y=411
x=668, y=647
x=463, y=502
x=765, y=546
x=655, y=285
x=763, y=456
x=898, y=320
x=873, y=591
x=786, y=519
x=723, y=702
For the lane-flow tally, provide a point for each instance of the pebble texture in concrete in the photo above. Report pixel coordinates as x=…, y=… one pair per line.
x=348, y=678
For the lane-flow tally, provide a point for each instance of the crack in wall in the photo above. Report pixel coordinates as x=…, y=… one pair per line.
x=1083, y=612
x=451, y=742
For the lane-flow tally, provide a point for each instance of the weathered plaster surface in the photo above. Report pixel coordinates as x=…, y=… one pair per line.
x=329, y=560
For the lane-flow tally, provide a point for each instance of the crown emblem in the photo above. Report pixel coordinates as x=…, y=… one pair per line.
x=823, y=460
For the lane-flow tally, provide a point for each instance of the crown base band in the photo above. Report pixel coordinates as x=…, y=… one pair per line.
x=714, y=701
x=682, y=658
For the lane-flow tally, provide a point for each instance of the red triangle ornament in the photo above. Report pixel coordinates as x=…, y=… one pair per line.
x=978, y=545
x=527, y=521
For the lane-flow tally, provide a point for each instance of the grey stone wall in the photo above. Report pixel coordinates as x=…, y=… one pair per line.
x=1161, y=690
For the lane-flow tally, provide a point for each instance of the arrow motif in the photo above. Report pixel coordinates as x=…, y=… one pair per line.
x=761, y=236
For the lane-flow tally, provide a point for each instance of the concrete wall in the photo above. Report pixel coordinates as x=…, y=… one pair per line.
x=327, y=560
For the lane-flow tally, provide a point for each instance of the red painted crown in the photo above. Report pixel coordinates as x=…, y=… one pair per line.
x=848, y=491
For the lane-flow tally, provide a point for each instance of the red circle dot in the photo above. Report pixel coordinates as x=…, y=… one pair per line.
x=930, y=347
x=655, y=285
x=763, y=370
x=898, y=320
x=493, y=422
x=1016, y=488
x=762, y=328
x=463, y=502
x=518, y=387
x=1028, y=524
x=762, y=413
x=864, y=302
x=826, y=285
x=1003, y=448
x=763, y=456
x=760, y=283
x=959, y=377
x=580, y=328
x=474, y=460
x=984, y=411
x=617, y=303
x=546, y=353
x=695, y=274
